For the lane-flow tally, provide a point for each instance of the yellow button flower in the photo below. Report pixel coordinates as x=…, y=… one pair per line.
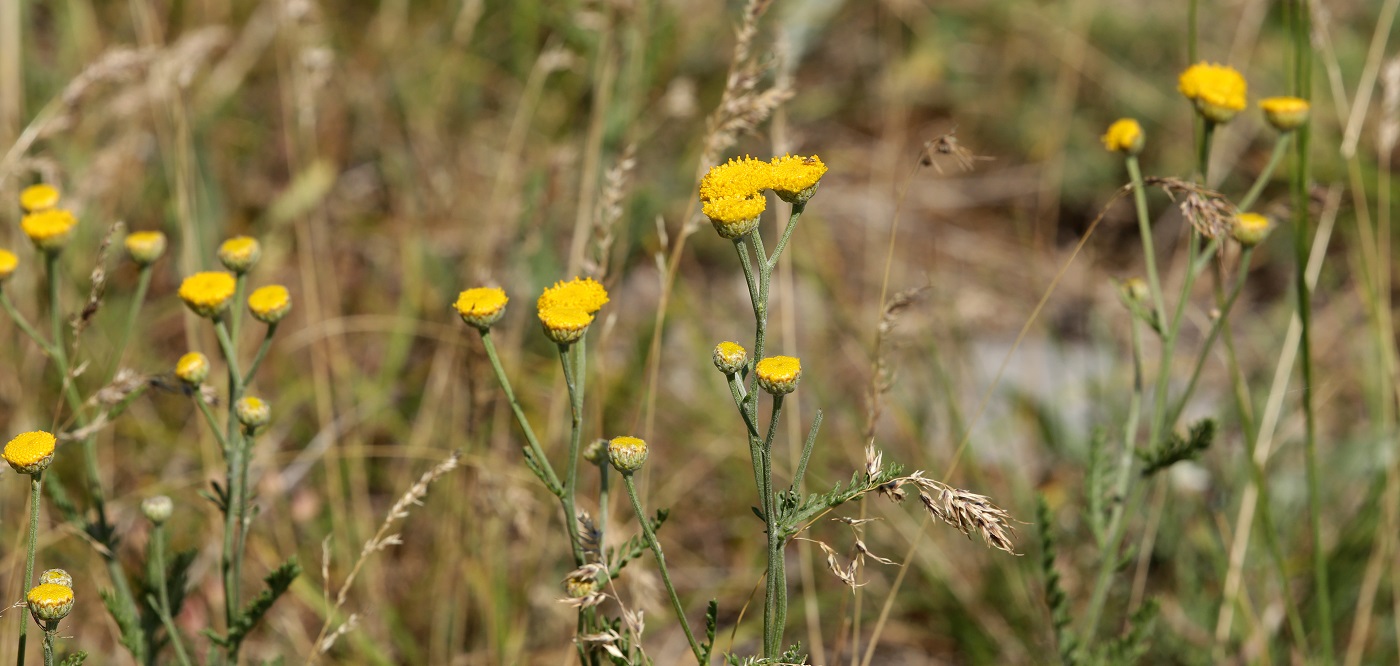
x=1250, y=229
x=482, y=307
x=239, y=253
x=49, y=229
x=778, y=375
x=794, y=178
x=565, y=325
x=145, y=247
x=627, y=454
x=1285, y=113
x=50, y=602
x=192, y=368
x=38, y=197
x=733, y=217
x=208, y=293
x=582, y=293
x=729, y=357
x=270, y=304
x=30, y=452
x=8, y=263
x=1217, y=90
x=739, y=177
x=252, y=412
x=1123, y=136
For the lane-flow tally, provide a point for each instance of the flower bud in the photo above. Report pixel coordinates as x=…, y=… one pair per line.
x=627, y=454
x=270, y=304
x=778, y=375
x=252, y=412
x=157, y=509
x=1124, y=136
x=145, y=247
x=1285, y=113
x=239, y=253
x=57, y=577
x=729, y=358
x=1250, y=229
x=482, y=307
x=597, y=452
x=192, y=368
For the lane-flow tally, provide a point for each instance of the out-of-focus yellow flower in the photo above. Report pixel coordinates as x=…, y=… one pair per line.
x=1285, y=113
x=192, y=368
x=270, y=304
x=627, y=454
x=8, y=263
x=795, y=178
x=778, y=375
x=38, y=197
x=1124, y=136
x=1217, y=90
x=239, y=253
x=208, y=293
x=252, y=412
x=30, y=452
x=482, y=307
x=1250, y=229
x=49, y=229
x=583, y=293
x=145, y=247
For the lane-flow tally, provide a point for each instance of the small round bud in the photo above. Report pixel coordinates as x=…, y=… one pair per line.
x=1250, y=229
x=270, y=304
x=482, y=307
x=729, y=357
x=49, y=229
x=157, y=509
x=145, y=247
x=252, y=412
x=564, y=324
x=8, y=263
x=239, y=253
x=57, y=577
x=627, y=454
x=38, y=197
x=192, y=368
x=30, y=452
x=778, y=375
x=209, y=293
x=50, y=602
x=597, y=452
x=1124, y=136
x=1285, y=113
x=1135, y=290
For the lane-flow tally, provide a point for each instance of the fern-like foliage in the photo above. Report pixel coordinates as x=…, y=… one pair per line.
x=1129, y=649
x=1178, y=448
x=277, y=583
x=1096, y=487
x=1055, y=596
x=793, y=513
x=634, y=546
x=711, y=626
x=133, y=638
x=74, y=659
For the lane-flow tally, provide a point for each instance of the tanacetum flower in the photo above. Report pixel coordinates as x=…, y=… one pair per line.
x=1285, y=113
x=1250, y=229
x=739, y=178
x=8, y=263
x=565, y=325
x=482, y=307
x=627, y=454
x=778, y=375
x=729, y=357
x=794, y=178
x=38, y=197
x=1123, y=136
x=270, y=304
x=208, y=293
x=252, y=412
x=239, y=253
x=50, y=602
x=145, y=247
x=192, y=368
x=57, y=577
x=30, y=452
x=49, y=229
x=1217, y=90
x=157, y=509
x=733, y=217
x=582, y=293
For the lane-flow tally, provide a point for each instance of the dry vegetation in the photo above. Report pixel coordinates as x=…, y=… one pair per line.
x=390, y=154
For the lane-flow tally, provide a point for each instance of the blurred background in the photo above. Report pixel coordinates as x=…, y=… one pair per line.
x=390, y=154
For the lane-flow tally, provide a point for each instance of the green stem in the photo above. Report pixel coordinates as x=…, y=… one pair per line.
x=233, y=479
x=533, y=451
x=48, y=646
x=143, y=284
x=1203, y=149
x=163, y=607
x=806, y=452
x=1275, y=158
x=655, y=545
x=213, y=423
x=262, y=353
x=35, y=488
x=55, y=312
x=772, y=611
x=235, y=314
x=743, y=249
x=787, y=233
x=24, y=325
x=575, y=385
x=1224, y=305
x=1149, y=253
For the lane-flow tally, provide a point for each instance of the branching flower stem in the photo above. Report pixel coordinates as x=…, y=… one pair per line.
x=655, y=546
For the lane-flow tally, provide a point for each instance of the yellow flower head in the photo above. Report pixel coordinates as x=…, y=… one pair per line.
x=50, y=602
x=627, y=454
x=729, y=357
x=270, y=304
x=49, y=229
x=1123, y=136
x=239, y=253
x=8, y=263
x=734, y=216
x=564, y=324
x=482, y=306
x=794, y=178
x=739, y=177
x=208, y=293
x=583, y=293
x=1285, y=113
x=252, y=412
x=57, y=577
x=778, y=375
x=145, y=247
x=1217, y=90
x=30, y=452
x=192, y=368
x=1250, y=229
x=38, y=197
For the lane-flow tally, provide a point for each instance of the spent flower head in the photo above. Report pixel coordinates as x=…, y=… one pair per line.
x=8, y=263
x=145, y=247
x=30, y=452
x=729, y=357
x=1250, y=229
x=192, y=368
x=1285, y=113
x=778, y=375
x=49, y=229
x=208, y=293
x=270, y=304
x=240, y=253
x=1218, y=91
x=1124, y=136
x=795, y=178
x=38, y=197
x=627, y=453
x=482, y=307
x=50, y=602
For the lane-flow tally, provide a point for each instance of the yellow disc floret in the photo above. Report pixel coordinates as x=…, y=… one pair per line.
x=50, y=602
x=582, y=293
x=1285, y=113
x=145, y=247
x=778, y=375
x=794, y=178
x=49, y=229
x=270, y=304
x=208, y=293
x=1123, y=136
x=239, y=253
x=1217, y=90
x=627, y=454
x=8, y=263
x=30, y=452
x=482, y=306
x=38, y=197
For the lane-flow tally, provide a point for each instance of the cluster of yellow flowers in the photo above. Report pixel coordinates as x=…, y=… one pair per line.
x=47, y=226
x=209, y=293
x=731, y=194
x=565, y=309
